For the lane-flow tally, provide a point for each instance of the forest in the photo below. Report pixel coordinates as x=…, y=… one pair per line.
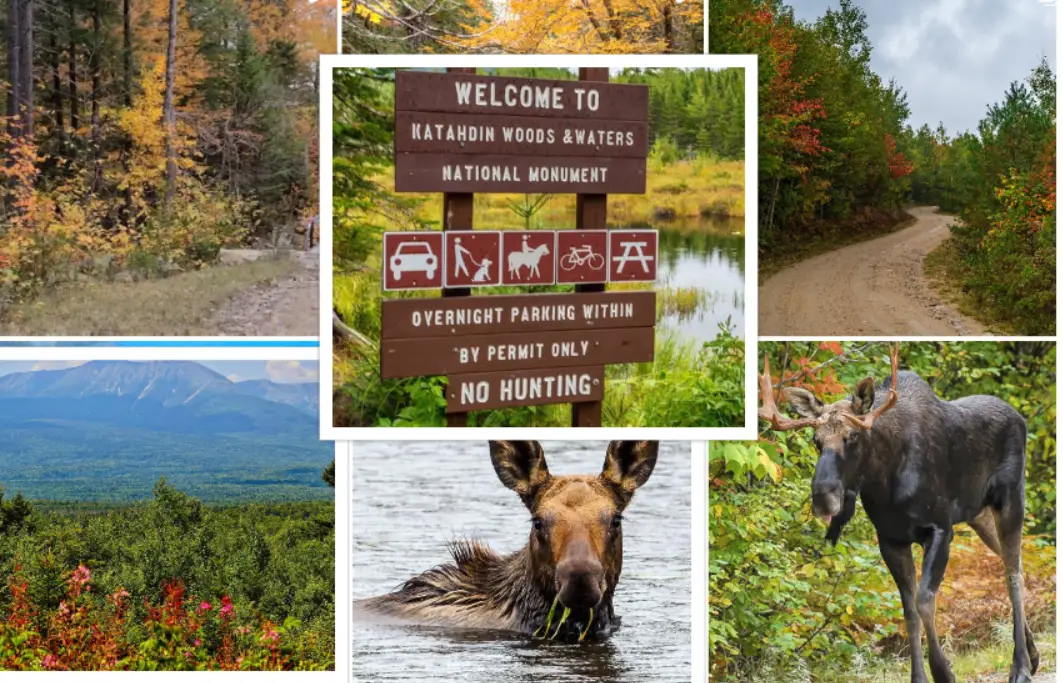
x=839, y=161
x=167, y=583
x=786, y=605
x=695, y=174
x=141, y=138
x=523, y=27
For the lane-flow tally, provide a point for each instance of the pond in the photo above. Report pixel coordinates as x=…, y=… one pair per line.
x=411, y=498
x=708, y=257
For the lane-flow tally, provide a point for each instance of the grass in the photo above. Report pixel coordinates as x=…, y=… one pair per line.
x=973, y=622
x=945, y=269
x=827, y=237
x=698, y=189
x=985, y=665
x=181, y=305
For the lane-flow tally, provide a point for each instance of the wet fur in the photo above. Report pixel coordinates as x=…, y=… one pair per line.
x=482, y=589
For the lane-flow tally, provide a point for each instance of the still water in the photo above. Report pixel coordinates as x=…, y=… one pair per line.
x=707, y=256
x=410, y=498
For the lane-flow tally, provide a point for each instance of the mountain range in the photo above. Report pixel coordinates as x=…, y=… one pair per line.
x=107, y=430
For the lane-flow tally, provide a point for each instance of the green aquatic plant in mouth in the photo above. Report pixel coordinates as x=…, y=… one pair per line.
x=545, y=628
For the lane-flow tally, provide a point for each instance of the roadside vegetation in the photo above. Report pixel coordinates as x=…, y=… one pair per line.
x=839, y=160
x=139, y=141
x=785, y=605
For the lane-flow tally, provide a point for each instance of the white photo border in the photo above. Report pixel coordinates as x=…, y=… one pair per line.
x=749, y=334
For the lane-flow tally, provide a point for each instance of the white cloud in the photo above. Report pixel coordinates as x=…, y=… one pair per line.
x=56, y=364
x=291, y=371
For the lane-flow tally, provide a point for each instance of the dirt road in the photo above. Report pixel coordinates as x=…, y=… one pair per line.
x=870, y=288
x=287, y=307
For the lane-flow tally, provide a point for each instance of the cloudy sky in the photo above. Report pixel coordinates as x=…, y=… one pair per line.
x=952, y=57
x=281, y=371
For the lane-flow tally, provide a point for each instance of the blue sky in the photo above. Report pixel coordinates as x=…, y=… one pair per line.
x=952, y=57
x=283, y=371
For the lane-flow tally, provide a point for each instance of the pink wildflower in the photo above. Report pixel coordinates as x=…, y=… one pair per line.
x=226, y=605
x=49, y=661
x=204, y=606
x=81, y=575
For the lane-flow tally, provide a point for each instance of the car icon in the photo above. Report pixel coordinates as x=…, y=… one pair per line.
x=413, y=257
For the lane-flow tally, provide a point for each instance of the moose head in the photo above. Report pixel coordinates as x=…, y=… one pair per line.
x=842, y=437
x=576, y=538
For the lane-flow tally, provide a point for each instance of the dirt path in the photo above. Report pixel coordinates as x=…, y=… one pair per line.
x=870, y=288
x=285, y=308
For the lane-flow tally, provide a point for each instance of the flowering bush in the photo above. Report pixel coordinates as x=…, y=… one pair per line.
x=181, y=633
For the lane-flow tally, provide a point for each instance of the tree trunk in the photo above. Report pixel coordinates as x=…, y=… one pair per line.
x=25, y=65
x=14, y=13
x=669, y=38
x=169, y=116
x=54, y=57
x=94, y=69
x=127, y=52
x=72, y=75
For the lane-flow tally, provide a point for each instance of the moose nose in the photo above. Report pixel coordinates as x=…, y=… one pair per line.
x=579, y=583
x=826, y=498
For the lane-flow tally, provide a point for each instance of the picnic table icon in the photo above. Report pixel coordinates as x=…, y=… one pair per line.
x=633, y=251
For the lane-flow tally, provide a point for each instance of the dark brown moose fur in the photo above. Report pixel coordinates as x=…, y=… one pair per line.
x=574, y=552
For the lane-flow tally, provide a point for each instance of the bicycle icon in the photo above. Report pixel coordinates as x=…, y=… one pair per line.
x=580, y=256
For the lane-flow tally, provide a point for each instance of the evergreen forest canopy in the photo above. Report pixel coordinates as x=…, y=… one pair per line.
x=154, y=131
x=523, y=26
x=839, y=154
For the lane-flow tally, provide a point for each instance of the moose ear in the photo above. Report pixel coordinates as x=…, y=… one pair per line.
x=863, y=396
x=521, y=466
x=628, y=464
x=803, y=401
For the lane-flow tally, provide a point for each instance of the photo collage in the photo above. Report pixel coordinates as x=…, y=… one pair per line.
x=769, y=285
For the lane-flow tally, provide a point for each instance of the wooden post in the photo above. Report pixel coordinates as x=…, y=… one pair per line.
x=457, y=215
x=590, y=215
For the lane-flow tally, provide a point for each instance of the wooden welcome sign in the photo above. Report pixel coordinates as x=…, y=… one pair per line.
x=459, y=133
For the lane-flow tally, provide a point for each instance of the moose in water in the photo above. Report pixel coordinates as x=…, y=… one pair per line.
x=560, y=585
x=921, y=466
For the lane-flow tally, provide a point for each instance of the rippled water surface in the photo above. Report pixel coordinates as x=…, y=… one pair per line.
x=410, y=498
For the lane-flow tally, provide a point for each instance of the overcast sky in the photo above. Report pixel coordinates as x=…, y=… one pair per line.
x=281, y=371
x=952, y=57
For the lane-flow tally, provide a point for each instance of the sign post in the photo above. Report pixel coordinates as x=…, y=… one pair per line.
x=459, y=133
x=457, y=215
x=591, y=210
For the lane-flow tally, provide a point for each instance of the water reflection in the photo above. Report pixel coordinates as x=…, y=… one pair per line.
x=707, y=258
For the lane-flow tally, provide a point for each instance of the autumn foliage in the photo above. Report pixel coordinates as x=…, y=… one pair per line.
x=524, y=26
x=93, y=182
x=93, y=633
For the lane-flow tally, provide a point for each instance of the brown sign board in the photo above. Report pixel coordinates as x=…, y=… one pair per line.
x=429, y=132
x=473, y=258
x=416, y=172
x=473, y=94
x=412, y=260
x=492, y=390
x=583, y=256
x=514, y=351
x=459, y=317
x=529, y=257
x=632, y=255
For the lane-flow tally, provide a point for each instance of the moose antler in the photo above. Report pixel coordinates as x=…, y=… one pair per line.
x=770, y=412
x=867, y=420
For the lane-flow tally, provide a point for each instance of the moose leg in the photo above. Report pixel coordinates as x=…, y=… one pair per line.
x=899, y=561
x=985, y=526
x=1009, y=530
x=935, y=560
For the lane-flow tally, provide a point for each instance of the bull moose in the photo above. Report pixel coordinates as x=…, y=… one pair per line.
x=920, y=465
x=560, y=584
